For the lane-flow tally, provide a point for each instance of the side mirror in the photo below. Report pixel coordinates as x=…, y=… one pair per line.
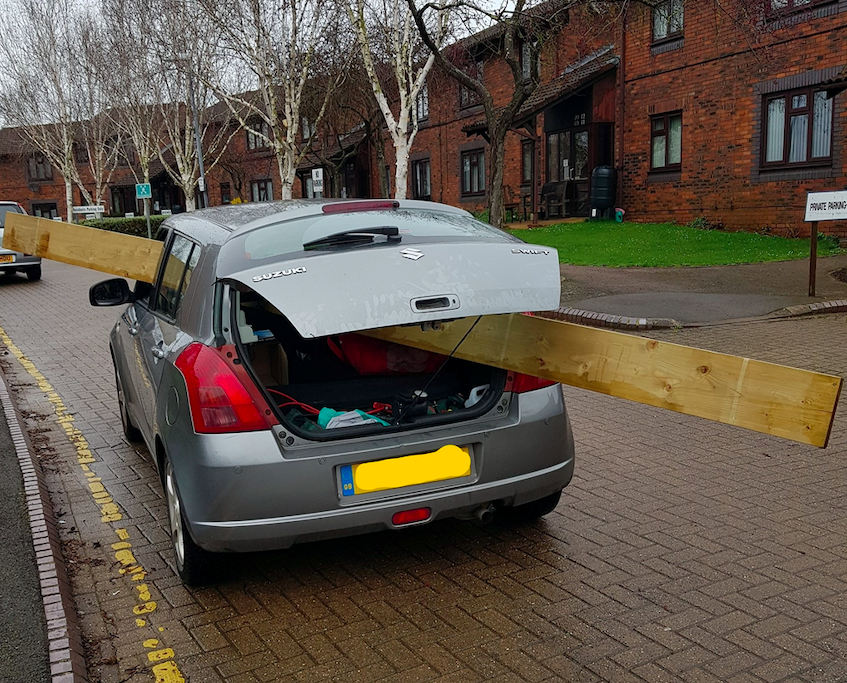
x=112, y=292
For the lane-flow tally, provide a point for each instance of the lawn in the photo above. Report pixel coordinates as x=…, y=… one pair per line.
x=619, y=245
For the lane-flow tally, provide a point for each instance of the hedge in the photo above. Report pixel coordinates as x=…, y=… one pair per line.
x=129, y=226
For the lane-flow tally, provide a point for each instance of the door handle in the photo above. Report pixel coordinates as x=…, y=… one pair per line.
x=157, y=352
x=132, y=330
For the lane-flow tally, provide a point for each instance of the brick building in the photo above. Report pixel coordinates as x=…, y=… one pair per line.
x=729, y=112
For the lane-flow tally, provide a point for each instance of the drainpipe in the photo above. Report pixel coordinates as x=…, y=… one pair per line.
x=621, y=102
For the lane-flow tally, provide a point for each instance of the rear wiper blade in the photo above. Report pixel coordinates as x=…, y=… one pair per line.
x=354, y=236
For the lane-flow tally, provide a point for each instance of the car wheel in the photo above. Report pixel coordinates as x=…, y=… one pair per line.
x=535, y=509
x=131, y=432
x=33, y=273
x=194, y=565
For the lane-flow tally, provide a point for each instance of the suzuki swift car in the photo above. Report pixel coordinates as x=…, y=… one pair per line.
x=14, y=261
x=274, y=420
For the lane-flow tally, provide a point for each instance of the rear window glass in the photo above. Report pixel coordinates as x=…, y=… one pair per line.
x=290, y=236
x=4, y=209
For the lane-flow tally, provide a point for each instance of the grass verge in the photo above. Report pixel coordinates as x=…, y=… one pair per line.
x=619, y=245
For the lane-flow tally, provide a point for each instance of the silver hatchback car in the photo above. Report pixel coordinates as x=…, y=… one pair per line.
x=273, y=421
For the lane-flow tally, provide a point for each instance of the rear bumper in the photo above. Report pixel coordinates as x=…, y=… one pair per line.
x=21, y=261
x=282, y=532
x=241, y=493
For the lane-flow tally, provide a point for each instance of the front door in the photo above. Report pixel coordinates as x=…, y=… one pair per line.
x=567, y=163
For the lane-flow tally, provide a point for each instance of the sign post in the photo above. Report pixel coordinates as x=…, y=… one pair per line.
x=318, y=181
x=145, y=192
x=822, y=206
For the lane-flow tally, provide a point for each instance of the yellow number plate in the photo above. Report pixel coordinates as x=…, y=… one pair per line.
x=448, y=462
x=7, y=258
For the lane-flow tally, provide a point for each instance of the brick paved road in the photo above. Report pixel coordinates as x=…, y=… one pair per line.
x=683, y=550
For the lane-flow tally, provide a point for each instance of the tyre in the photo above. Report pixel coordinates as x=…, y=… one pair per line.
x=33, y=273
x=194, y=565
x=131, y=432
x=535, y=509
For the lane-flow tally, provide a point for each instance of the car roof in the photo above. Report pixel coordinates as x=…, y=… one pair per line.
x=237, y=219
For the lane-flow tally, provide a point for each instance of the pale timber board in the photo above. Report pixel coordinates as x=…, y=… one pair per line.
x=110, y=252
x=774, y=399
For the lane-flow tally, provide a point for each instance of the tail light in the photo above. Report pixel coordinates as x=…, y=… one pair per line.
x=520, y=384
x=410, y=516
x=220, y=400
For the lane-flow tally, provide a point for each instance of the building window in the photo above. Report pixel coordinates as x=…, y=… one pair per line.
x=421, y=180
x=306, y=187
x=261, y=191
x=45, y=210
x=226, y=194
x=306, y=128
x=473, y=172
x=422, y=104
x=467, y=96
x=527, y=154
x=386, y=174
x=259, y=138
x=80, y=153
x=527, y=61
x=39, y=168
x=797, y=128
x=667, y=20
x=666, y=139
x=788, y=6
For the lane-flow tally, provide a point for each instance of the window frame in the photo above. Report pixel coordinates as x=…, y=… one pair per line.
x=416, y=188
x=154, y=302
x=792, y=7
x=468, y=97
x=41, y=161
x=422, y=104
x=665, y=132
x=226, y=193
x=257, y=185
x=478, y=153
x=254, y=141
x=670, y=35
x=527, y=170
x=809, y=161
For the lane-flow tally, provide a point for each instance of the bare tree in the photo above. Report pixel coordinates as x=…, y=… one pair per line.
x=99, y=141
x=135, y=79
x=185, y=50
x=510, y=25
x=281, y=46
x=390, y=26
x=39, y=92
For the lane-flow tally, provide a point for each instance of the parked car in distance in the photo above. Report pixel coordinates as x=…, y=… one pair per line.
x=14, y=261
x=273, y=421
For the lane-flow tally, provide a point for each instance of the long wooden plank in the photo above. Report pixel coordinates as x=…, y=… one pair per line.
x=109, y=252
x=774, y=399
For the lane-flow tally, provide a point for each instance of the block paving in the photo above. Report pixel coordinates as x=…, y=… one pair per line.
x=683, y=550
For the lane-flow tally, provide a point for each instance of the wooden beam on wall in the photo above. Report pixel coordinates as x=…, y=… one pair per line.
x=794, y=404
x=110, y=252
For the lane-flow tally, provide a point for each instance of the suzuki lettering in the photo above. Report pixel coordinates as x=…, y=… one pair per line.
x=279, y=273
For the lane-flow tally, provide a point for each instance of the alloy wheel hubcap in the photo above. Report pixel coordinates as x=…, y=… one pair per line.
x=174, y=516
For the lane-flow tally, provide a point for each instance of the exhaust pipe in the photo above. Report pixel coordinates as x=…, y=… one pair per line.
x=485, y=513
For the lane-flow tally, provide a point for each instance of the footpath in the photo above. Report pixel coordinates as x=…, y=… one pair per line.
x=650, y=298
x=35, y=601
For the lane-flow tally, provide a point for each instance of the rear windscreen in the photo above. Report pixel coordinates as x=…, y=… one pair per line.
x=288, y=237
x=4, y=209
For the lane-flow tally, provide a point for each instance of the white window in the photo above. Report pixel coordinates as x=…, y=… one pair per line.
x=261, y=191
x=667, y=19
x=422, y=104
